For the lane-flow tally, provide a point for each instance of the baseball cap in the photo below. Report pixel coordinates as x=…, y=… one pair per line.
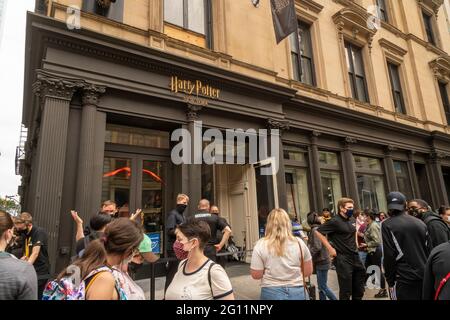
x=396, y=201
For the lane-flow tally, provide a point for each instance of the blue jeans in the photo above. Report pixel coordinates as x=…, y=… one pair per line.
x=283, y=293
x=363, y=257
x=322, y=279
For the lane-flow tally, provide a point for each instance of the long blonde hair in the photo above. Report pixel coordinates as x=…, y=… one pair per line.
x=278, y=231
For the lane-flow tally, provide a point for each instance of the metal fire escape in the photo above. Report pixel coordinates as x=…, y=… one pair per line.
x=20, y=150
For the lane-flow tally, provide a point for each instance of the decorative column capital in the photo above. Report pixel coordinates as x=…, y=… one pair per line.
x=50, y=85
x=92, y=93
x=348, y=141
x=281, y=125
x=388, y=150
x=193, y=111
x=437, y=156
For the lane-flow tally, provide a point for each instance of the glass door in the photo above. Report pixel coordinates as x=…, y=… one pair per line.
x=138, y=182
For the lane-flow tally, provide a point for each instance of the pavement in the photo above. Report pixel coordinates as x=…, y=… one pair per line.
x=245, y=288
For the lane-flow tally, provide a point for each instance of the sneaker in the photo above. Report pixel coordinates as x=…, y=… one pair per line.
x=382, y=294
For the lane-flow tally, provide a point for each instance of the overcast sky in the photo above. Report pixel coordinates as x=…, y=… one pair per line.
x=12, y=53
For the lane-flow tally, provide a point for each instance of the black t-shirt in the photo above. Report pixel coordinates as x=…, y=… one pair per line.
x=38, y=237
x=437, y=268
x=341, y=233
x=215, y=224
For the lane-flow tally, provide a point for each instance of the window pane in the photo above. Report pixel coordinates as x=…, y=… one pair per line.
x=153, y=181
x=348, y=57
x=444, y=96
x=293, y=38
x=361, y=89
x=295, y=66
x=371, y=192
x=382, y=10
x=297, y=193
x=137, y=137
x=358, y=62
x=328, y=158
x=305, y=40
x=307, y=76
x=402, y=176
x=173, y=12
x=428, y=27
x=196, y=16
x=116, y=184
x=293, y=153
x=367, y=163
x=331, y=189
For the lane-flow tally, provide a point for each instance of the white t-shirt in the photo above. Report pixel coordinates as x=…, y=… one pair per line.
x=195, y=285
x=280, y=271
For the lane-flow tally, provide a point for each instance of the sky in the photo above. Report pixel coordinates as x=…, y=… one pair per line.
x=12, y=55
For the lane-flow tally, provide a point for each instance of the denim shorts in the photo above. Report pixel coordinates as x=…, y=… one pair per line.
x=283, y=293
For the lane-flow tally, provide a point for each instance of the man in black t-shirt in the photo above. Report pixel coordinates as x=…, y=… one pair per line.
x=341, y=244
x=436, y=270
x=35, y=249
x=215, y=224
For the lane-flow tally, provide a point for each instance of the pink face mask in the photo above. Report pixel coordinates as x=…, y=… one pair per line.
x=179, y=251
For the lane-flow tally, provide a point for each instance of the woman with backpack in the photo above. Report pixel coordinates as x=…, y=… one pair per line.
x=320, y=256
x=98, y=274
x=281, y=260
x=198, y=277
x=18, y=279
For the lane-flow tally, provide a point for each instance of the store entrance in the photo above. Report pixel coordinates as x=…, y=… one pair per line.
x=136, y=181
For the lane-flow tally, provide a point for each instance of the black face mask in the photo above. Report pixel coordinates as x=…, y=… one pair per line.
x=181, y=208
x=22, y=232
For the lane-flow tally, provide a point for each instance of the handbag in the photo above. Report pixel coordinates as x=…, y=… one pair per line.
x=308, y=288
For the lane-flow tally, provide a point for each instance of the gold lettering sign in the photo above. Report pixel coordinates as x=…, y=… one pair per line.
x=193, y=88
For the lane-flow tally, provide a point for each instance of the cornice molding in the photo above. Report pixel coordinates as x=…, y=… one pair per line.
x=441, y=67
x=310, y=5
x=434, y=5
x=391, y=47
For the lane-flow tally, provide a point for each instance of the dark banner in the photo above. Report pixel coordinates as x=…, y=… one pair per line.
x=284, y=18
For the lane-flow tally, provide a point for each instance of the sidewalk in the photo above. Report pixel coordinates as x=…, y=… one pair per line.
x=245, y=288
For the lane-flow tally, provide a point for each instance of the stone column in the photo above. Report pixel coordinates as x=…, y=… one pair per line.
x=438, y=190
x=281, y=178
x=55, y=94
x=315, y=172
x=390, y=170
x=413, y=177
x=87, y=151
x=156, y=15
x=194, y=169
x=349, y=170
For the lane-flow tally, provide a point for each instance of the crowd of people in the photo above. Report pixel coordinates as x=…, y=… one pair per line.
x=407, y=247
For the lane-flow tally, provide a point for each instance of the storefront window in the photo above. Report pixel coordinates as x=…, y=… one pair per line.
x=297, y=192
x=328, y=158
x=137, y=137
x=365, y=163
x=371, y=192
x=402, y=176
x=117, y=183
x=331, y=189
x=330, y=177
x=296, y=154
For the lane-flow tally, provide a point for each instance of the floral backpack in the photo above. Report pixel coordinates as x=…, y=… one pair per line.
x=66, y=289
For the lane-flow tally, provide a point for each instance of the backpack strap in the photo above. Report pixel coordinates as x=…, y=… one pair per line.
x=209, y=277
x=441, y=285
